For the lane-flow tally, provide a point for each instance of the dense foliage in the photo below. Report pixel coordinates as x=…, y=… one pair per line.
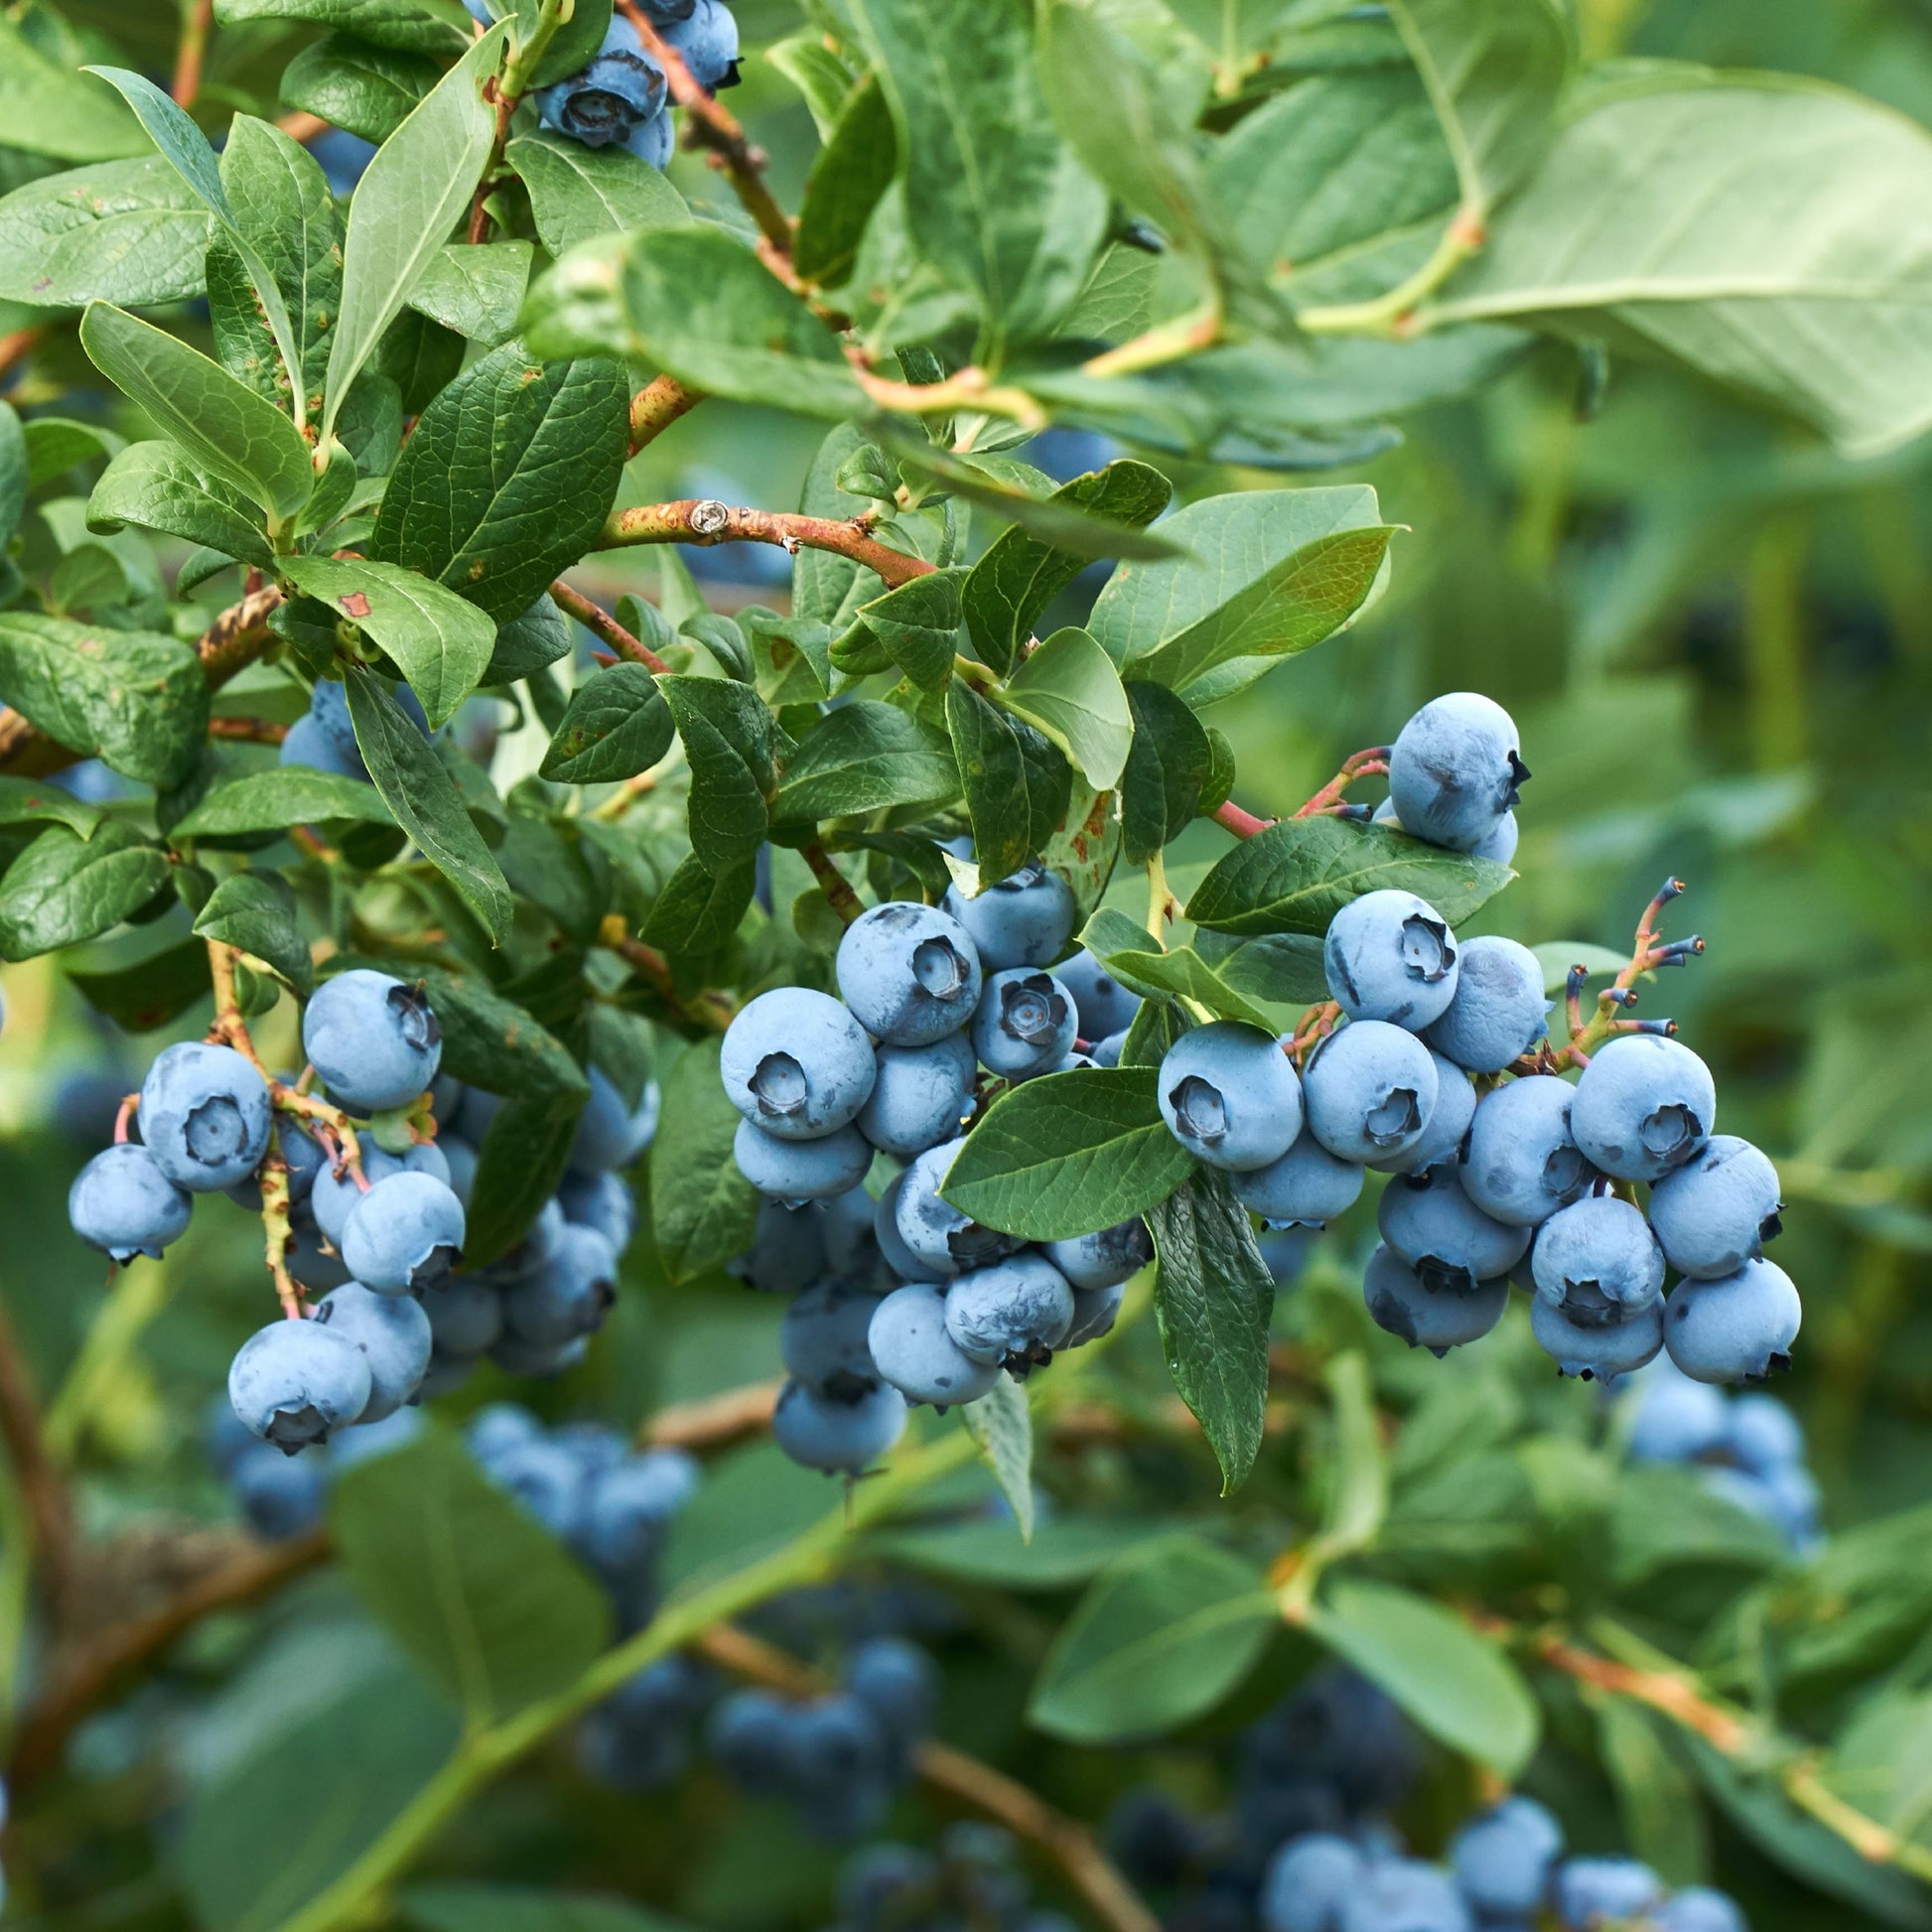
x=677, y=788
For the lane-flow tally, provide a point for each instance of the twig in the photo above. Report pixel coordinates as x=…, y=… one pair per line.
x=717, y=1422
x=49, y=1509
x=1359, y=765
x=1244, y=826
x=832, y=882
x=594, y=618
x=15, y=345
x=656, y=406
x=303, y=127
x=968, y=1780
x=710, y=1009
x=701, y=520
x=193, y=53
x=247, y=731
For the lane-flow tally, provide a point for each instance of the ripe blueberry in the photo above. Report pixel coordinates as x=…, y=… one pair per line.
x=1307, y=1187
x=919, y=1094
x=1369, y=1088
x=1717, y=1210
x=1390, y=955
x=393, y=1335
x=204, y=1115
x=797, y=1065
x=1229, y=1095
x=1015, y=1312
x=123, y=1204
x=1024, y=1025
x=1023, y=920
x=912, y=1349
x=1644, y=1107
x=1736, y=1329
x=1455, y=770
x=374, y=1040
x=909, y=973
x=1499, y=1010
x=295, y=1383
x=1519, y=1161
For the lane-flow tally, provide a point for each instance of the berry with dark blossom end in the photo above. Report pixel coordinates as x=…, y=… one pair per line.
x=295, y=1383
x=1644, y=1107
x=204, y=1115
x=1519, y=1161
x=622, y=87
x=568, y=1295
x=404, y=1235
x=841, y=1438
x=1106, y=1007
x=1736, y=1329
x=1499, y=1011
x=1597, y=1261
x=1390, y=955
x=1399, y=1300
x=1369, y=1090
x=1230, y=1096
x=797, y=1065
x=911, y=973
x=911, y=1347
x=1024, y=1023
x=1715, y=1211
x=1103, y=1259
x=1455, y=769
x=1443, y=1131
x=375, y=1042
x=707, y=39
x=936, y=1231
x=1095, y=1311
x=1597, y=1350
x=1442, y=1234
x=822, y=1340
x=1015, y=1312
x=393, y=1335
x=1022, y=921
x=123, y=1204
x=794, y=1172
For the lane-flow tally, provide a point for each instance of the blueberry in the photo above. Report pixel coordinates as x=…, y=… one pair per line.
x=603, y=102
x=1422, y=1317
x=1105, y=1259
x=1404, y=1895
x=1736, y=1329
x=328, y=707
x=294, y=1383
x=604, y=1202
x=1498, y=1011
x=751, y=1736
x=1519, y=1161
x=909, y=973
x=1450, y=1243
x=787, y=1251
x=1309, y=1881
x=543, y=1478
x=1446, y=1128
x=225, y=1436
x=1455, y=770
x=654, y=141
x=310, y=742
x=317, y=1269
x=1597, y=1261
x=1390, y=955
x=844, y=1229
x=1229, y=1096
x=898, y=1684
x=466, y=1315
x=1500, y=845
x=1644, y=1107
x=404, y=1235
x=124, y=1205
x=1105, y=1005
x=1286, y=1252
x=919, y=1097
x=635, y=1761
x=1503, y=1858
x=1107, y=1053
x=1677, y=1419
x=1154, y=1839
x=885, y=1887
x=1023, y=1024
x=609, y=1132
x=1599, y=1351
x=1095, y=1311
x=280, y=1495
x=898, y=1261
x=503, y=1428
x=204, y=1115
x=801, y=1171
x=1591, y=1892
x=838, y=1744
x=334, y=1198
x=1763, y=1433
x=473, y=1113
x=1014, y=1313
x=569, y=1295
x=629, y=1509
x=393, y=1335
x=1697, y=1908
x=374, y=1040
x=1369, y=1090
x=1307, y=1187
x=1717, y=1210
x=1023, y=920
x=797, y=1065
x=937, y=1233
x=822, y=1340
x=823, y=1432
x=538, y=1360
x=708, y=41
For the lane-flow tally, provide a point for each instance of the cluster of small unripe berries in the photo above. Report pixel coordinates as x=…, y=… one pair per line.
x=917, y=1302
x=1308, y=1847
x=621, y=97
x=1495, y=1172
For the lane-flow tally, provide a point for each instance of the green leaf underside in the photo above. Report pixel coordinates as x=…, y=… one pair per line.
x=579, y=193
x=271, y=802
x=1001, y=1424
x=1071, y=690
x=703, y=1210
x=865, y=756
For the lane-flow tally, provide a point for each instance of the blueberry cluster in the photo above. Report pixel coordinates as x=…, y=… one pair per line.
x=1498, y=1171
x=620, y=96
x=1308, y=1847
x=932, y=994
x=280, y=1496
x=1748, y=1448
x=973, y=1878
x=837, y=1759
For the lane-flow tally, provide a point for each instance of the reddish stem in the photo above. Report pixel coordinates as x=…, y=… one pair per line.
x=1244, y=826
x=594, y=618
x=125, y=1118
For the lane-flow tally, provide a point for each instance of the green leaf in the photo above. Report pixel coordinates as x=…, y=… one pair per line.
x=579, y=193
x=993, y=195
x=699, y=910
x=1493, y=69
x=730, y=741
x=1018, y=786
x=1069, y=688
x=16, y=467
x=57, y=444
x=618, y=725
x=129, y=231
x=1159, y=1638
x=526, y=643
x=1283, y=968
x=700, y=303
x=354, y=84
x=865, y=757
x=826, y=588
x=1212, y=1300
x=1064, y=1550
x=418, y=183
x=224, y=427
x=48, y=108
x=916, y=626
x=65, y=889
x=1456, y=1686
x=1168, y=764
x=315, y=1781
x=1663, y=1823
x=1067, y=1153
x=1749, y=226
x=1298, y=874
x=852, y=171
x=409, y=26
x=426, y=803
x=490, y=1041
x=273, y=800
x=1023, y=569
x=454, y=1907
x=150, y=991
x=702, y=1209
x=441, y=642
x=255, y=911
x=507, y=476
x=30, y=802
x=134, y=699
x=793, y=656
x=483, y=1598
x=1001, y=1424
x=1358, y=1489
x=476, y=289
x=573, y=46
x=155, y=487
x=819, y=75
x=1140, y=963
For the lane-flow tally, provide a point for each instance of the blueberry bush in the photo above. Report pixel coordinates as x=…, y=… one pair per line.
x=912, y=1241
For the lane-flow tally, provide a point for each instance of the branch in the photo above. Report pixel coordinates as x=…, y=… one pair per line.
x=717, y=1422
x=1244, y=826
x=594, y=618
x=832, y=882
x=710, y=1010
x=701, y=520
x=192, y=53
x=656, y=406
x=972, y=1782
x=49, y=1509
